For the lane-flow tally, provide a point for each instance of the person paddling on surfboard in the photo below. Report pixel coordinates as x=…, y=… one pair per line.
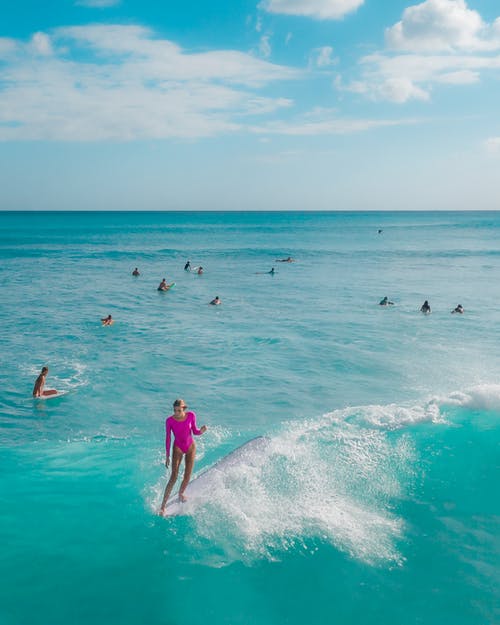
x=183, y=425
x=40, y=383
x=107, y=321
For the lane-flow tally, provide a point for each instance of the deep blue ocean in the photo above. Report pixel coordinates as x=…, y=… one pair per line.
x=377, y=498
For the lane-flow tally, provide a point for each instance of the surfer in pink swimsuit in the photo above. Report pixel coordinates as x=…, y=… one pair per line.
x=183, y=425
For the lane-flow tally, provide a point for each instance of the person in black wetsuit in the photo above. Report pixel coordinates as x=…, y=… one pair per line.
x=385, y=302
x=425, y=308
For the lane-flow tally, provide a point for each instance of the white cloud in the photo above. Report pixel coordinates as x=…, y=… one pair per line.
x=441, y=26
x=7, y=47
x=323, y=121
x=492, y=145
x=318, y=9
x=97, y=4
x=122, y=83
x=436, y=42
x=265, y=46
x=41, y=44
x=322, y=57
x=437, y=25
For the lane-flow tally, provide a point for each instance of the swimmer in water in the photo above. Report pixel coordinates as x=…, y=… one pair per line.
x=187, y=266
x=108, y=321
x=425, y=308
x=285, y=260
x=459, y=309
x=183, y=425
x=163, y=286
x=40, y=383
x=200, y=271
x=385, y=302
x=136, y=272
x=271, y=272
x=216, y=301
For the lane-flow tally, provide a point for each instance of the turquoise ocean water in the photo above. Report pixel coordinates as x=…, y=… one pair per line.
x=377, y=498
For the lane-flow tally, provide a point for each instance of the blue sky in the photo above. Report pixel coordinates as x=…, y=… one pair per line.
x=248, y=105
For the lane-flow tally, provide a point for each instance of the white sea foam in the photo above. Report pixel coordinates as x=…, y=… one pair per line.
x=480, y=397
x=325, y=480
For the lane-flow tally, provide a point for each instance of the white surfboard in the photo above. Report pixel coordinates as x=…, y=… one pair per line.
x=52, y=395
x=199, y=488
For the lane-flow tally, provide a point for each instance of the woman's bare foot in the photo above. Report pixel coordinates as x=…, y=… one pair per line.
x=182, y=498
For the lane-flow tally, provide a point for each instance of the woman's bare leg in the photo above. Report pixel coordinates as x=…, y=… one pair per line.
x=188, y=469
x=176, y=461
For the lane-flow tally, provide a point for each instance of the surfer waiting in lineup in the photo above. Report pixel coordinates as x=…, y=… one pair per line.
x=136, y=272
x=216, y=301
x=271, y=272
x=459, y=309
x=187, y=266
x=40, y=383
x=183, y=425
x=425, y=308
x=163, y=286
x=385, y=302
x=107, y=321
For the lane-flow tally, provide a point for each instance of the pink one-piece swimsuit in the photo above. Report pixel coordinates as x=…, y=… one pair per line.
x=182, y=432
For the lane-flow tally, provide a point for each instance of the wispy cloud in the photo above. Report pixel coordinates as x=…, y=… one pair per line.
x=120, y=82
x=322, y=121
x=265, y=46
x=436, y=42
x=97, y=4
x=322, y=57
x=317, y=9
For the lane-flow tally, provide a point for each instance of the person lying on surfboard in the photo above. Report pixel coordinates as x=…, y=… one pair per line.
x=183, y=425
x=40, y=383
x=107, y=321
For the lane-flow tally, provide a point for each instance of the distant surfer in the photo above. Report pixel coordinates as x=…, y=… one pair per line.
x=163, y=286
x=40, y=383
x=425, y=308
x=187, y=266
x=108, y=321
x=136, y=272
x=271, y=272
x=385, y=302
x=183, y=425
x=285, y=260
x=380, y=230
x=216, y=301
x=200, y=271
x=459, y=309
